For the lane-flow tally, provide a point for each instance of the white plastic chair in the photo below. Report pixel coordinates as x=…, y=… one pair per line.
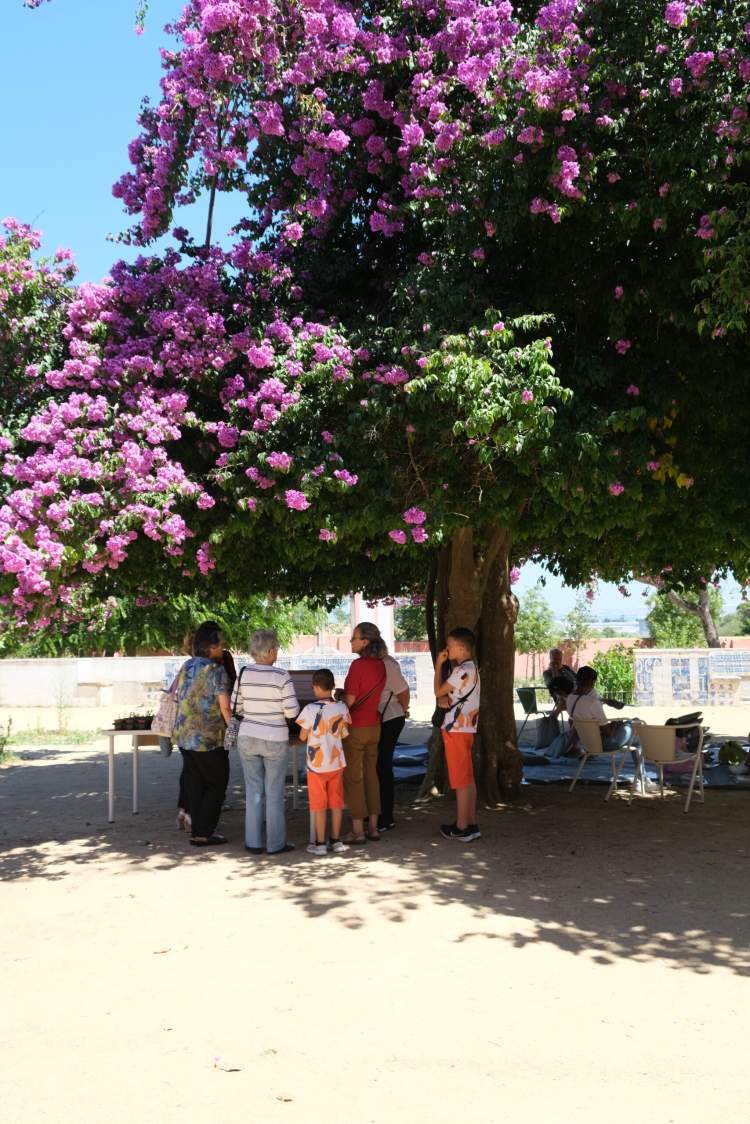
x=590, y=734
x=659, y=747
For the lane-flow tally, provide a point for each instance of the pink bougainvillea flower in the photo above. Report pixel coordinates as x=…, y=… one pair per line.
x=419, y=534
x=622, y=347
x=398, y=536
x=295, y=500
x=514, y=575
x=326, y=536
x=260, y=356
x=653, y=466
x=282, y=461
x=414, y=515
x=527, y=395
x=499, y=326
x=204, y=559
x=348, y=478
x=618, y=292
x=617, y=488
x=633, y=390
x=676, y=14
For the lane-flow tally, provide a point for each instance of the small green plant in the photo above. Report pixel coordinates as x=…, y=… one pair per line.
x=5, y=732
x=615, y=675
x=732, y=753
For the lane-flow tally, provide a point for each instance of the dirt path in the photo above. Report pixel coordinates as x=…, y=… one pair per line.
x=583, y=962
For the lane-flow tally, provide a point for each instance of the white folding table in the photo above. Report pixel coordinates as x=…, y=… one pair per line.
x=138, y=738
x=145, y=737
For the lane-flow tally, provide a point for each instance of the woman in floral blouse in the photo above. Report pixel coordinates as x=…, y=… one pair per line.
x=202, y=715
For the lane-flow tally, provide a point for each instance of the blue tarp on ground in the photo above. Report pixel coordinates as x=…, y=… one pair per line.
x=410, y=763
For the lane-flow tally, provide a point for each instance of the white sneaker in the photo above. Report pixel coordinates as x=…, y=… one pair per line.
x=639, y=789
x=338, y=847
x=317, y=849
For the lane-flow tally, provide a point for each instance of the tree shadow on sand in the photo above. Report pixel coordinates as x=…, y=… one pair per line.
x=609, y=881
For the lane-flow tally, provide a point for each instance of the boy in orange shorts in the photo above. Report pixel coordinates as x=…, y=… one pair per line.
x=323, y=725
x=460, y=694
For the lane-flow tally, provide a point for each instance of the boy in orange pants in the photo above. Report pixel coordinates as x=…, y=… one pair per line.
x=460, y=695
x=323, y=725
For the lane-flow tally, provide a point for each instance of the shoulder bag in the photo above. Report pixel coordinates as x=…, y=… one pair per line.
x=163, y=722
x=233, y=728
x=439, y=713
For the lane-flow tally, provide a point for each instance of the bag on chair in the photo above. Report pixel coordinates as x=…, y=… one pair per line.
x=547, y=729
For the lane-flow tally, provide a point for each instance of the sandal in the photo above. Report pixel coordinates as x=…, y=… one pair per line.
x=212, y=841
x=356, y=839
x=374, y=836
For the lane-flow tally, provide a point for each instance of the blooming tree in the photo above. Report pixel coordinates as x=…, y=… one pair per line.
x=359, y=388
x=34, y=295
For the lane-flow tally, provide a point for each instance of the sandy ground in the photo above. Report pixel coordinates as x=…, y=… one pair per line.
x=582, y=962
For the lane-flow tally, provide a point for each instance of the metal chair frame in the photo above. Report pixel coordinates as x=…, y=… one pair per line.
x=590, y=733
x=658, y=747
x=530, y=707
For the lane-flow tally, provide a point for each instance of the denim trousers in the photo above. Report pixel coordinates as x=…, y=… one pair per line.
x=264, y=768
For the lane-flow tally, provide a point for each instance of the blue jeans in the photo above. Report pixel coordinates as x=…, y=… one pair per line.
x=264, y=767
x=558, y=745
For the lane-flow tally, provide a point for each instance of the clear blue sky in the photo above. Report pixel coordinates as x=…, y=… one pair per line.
x=72, y=75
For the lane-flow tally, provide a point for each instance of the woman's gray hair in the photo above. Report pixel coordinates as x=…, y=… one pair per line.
x=376, y=646
x=263, y=642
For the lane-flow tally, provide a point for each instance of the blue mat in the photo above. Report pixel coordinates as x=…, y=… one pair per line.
x=410, y=764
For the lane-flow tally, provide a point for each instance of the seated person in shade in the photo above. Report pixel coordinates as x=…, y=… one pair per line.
x=584, y=702
x=559, y=679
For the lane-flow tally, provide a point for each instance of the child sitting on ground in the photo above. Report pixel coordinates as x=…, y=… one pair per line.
x=323, y=724
x=460, y=694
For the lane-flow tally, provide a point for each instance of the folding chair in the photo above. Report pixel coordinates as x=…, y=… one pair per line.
x=590, y=734
x=527, y=699
x=659, y=747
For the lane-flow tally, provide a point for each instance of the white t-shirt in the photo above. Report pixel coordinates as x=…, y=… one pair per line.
x=395, y=684
x=264, y=696
x=460, y=681
x=587, y=707
x=327, y=722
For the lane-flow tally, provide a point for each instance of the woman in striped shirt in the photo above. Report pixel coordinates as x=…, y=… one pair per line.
x=264, y=696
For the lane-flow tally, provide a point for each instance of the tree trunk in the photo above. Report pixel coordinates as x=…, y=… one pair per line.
x=436, y=778
x=706, y=617
x=473, y=591
x=429, y=609
x=499, y=765
x=700, y=609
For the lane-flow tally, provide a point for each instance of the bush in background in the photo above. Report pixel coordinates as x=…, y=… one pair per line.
x=615, y=674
